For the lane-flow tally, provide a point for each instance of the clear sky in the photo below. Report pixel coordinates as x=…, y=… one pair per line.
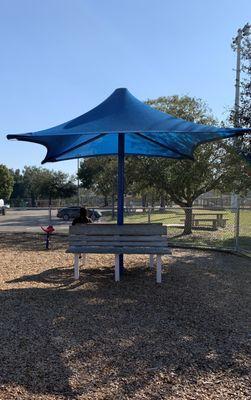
x=60, y=58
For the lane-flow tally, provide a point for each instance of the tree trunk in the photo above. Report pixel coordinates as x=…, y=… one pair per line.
x=33, y=201
x=162, y=203
x=188, y=219
x=105, y=201
x=144, y=202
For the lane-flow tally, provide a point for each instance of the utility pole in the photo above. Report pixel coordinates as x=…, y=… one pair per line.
x=241, y=33
x=237, y=43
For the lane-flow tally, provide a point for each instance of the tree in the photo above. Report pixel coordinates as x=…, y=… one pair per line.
x=56, y=184
x=18, y=192
x=68, y=189
x=46, y=184
x=189, y=108
x=89, y=171
x=33, y=178
x=215, y=167
x=6, y=182
x=100, y=175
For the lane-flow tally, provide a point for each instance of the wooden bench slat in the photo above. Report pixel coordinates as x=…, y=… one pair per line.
x=119, y=250
x=122, y=238
x=148, y=238
x=207, y=219
x=118, y=243
x=127, y=229
x=210, y=219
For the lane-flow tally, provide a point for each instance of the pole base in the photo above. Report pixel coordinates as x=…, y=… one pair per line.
x=121, y=264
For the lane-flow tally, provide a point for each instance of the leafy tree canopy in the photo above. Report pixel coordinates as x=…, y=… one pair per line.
x=6, y=182
x=216, y=165
x=37, y=182
x=189, y=108
x=100, y=175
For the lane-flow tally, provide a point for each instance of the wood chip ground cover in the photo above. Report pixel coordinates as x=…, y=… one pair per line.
x=93, y=339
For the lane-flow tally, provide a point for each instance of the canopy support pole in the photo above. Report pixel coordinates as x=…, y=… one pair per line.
x=121, y=171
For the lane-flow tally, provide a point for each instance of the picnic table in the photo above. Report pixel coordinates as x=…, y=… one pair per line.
x=217, y=216
x=216, y=221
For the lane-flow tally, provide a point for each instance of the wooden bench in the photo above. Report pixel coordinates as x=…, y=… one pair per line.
x=118, y=239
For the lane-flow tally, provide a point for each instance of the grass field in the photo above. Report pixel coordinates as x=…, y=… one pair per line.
x=222, y=238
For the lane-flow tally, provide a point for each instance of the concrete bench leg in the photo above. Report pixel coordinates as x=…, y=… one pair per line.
x=76, y=266
x=159, y=267
x=117, y=269
x=151, y=261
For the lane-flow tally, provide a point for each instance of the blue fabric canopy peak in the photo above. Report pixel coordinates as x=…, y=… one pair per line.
x=146, y=131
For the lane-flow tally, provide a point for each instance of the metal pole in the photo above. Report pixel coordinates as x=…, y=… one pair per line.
x=49, y=208
x=50, y=214
x=78, y=182
x=121, y=171
x=237, y=223
x=149, y=215
x=235, y=196
x=241, y=32
x=245, y=31
x=237, y=78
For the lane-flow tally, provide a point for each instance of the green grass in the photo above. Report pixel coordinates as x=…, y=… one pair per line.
x=222, y=238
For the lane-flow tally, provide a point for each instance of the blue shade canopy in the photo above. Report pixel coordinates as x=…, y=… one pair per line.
x=146, y=131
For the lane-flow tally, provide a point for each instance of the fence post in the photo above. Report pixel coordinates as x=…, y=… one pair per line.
x=237, y=224
x=49, y=210
x=149, y=215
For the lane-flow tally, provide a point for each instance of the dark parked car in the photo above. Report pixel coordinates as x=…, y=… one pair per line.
x=68, y=213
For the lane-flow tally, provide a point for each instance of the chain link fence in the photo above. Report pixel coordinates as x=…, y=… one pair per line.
x=214, y=227
x=211, y=227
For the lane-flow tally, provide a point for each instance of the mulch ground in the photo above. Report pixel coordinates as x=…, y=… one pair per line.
x=93, y=339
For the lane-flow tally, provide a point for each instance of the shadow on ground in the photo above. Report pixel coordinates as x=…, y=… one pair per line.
x=94, y=336
x=243, y=241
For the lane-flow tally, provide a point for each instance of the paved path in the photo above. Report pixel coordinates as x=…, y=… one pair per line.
x=30, y=221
